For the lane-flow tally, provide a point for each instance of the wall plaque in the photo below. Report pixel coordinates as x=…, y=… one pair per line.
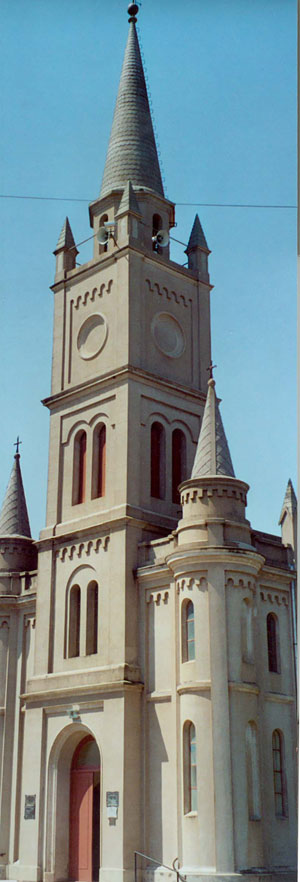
x=29, y=810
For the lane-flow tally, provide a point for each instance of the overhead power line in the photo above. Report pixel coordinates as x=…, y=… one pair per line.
x=191, y=204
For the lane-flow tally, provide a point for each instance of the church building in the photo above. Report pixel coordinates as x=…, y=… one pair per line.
x=147, y=651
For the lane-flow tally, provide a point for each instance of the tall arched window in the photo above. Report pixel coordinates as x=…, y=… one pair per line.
x=79, y=468
x=188, y=631
x=102, y=221
x=99, y=462
x=280, y=794
x=156, y=226
x=273, y=643
x=158, y=458
x=252, y=764
x=74, y=622
x=247, y=631
x=190, y=767
x=92, y=619
x=178, y=462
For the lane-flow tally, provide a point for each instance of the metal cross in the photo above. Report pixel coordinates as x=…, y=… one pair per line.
x=17, y=444
x=210, y=369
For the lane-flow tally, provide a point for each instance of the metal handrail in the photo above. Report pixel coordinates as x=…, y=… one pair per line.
x=159, y=864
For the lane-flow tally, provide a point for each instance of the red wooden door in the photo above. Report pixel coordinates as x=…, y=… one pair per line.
x=81, y=825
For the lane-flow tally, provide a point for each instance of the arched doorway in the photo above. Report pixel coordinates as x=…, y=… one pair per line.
x=84, y=839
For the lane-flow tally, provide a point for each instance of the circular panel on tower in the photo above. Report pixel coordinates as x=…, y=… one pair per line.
x=168, y=334
x=92, y=336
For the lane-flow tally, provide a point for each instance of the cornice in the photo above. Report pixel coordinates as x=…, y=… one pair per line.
x=58, y=534
x=123, y=374
x=13, y=601
x=279, y=697
x=229, y=557
x=115, y=686
x=236, y=686
x=196, y=687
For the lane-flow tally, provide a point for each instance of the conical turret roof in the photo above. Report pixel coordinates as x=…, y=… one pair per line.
x=66, y=238
x=197, y=237
x=14, y=519
x=212, y=454
x=132, y=153
x=289, y=502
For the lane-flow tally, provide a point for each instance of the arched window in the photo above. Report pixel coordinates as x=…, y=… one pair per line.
x=178, y=462
x=102, y=221
x=156, y=226
x=188, y=631
x=189, y=767
x=99, y=462
x=252, y=764
x=280, y=795
x=92, y=619
x=158, y=457
x=74, y=622
x=273, y=643
x=247, y=631
x=79, y=468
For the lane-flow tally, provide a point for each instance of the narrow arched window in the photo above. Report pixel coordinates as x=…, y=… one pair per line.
x=252, y=765
x=190, y=767
x=188, y=631
x=247, y=631
x=158, y=456
x=99, y=462
x=156, y=226
x=79, y=468
x=92, y=619
x=74, y=622
x=273, y=643
x=280, y=795
x=102, y=221
x=178, y=462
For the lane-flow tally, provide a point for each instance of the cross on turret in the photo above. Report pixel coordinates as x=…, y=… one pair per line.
x=17, y=445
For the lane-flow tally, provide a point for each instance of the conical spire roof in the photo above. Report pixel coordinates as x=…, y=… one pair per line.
x=66, y=238
x=132, y=153
x=197, y=237
x=212, y=454
x=14, y=519
x=289, y=502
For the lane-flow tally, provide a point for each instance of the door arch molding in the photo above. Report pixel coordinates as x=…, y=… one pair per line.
x=58, y=799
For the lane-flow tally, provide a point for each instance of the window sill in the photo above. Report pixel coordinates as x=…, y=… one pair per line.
x=191, y=815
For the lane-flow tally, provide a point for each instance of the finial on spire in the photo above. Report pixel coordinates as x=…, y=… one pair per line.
x=210, y=368
x=17, y=445
x=132, y=11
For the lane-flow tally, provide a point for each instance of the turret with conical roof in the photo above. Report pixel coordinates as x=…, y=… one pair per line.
x=213, y=499
x=65, y=251
x=17, y=550
x=197, y=250
x=288, y=522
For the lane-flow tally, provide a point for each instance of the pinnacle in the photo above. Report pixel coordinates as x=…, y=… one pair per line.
x=129, y=200
x=197, y=237
x=66, y=238
x=212, y=454
x=132, y=153
x=289, y=502
x=14, y=519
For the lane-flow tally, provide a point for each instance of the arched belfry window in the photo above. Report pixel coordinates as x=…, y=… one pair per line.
x=102, y=221
x=273, y=643
x=280, y=794
x=73, y=623
x=189, y=767
x=252, y=764
x=79, y=468
x=178, y=462
x=99, y=462
x=158, y=460
x=92, y=619
x=156, y=226
x=188, y=631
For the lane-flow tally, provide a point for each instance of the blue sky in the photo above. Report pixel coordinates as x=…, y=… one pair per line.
x=222, y=79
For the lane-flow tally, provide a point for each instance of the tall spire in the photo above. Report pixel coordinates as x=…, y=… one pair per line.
x=14, y=519
x=132, y=153
x=289, y=502
x=212, y=454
